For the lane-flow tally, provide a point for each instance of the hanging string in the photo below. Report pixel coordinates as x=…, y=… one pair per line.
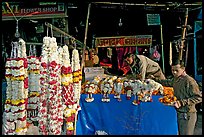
x=34, y=50
x=74, y=43
x=51, y=30
x=12, y=50
x=30, y=50
x=47, y=31
x=61, y=40
x=11, y=11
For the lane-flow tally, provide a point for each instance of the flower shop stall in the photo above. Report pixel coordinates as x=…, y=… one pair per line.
x=43, y=92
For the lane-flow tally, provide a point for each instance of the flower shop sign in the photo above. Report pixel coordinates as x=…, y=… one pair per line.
x=120, y=41
x=35, y=10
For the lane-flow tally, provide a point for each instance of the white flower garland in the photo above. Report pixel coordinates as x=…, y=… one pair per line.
x=17, y=90
x=50, y=108
x=34, y=87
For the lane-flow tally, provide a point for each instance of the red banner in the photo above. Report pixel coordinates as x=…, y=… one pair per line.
x=138, y=40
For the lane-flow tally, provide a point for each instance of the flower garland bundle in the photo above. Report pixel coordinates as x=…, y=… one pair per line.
x=137, y=87
x=17, y=90
x=67, y=91
x=42, y=106
x=50, y=106
x=77, y=75
x=77, y=78
x=107, y=88
x=34, y=87
x=118, y=87
x=67, y=80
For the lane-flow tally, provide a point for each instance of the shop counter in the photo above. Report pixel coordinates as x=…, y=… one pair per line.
x=124, y=118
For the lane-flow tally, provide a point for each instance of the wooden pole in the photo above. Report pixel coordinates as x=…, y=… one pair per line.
x=63, y=33
x=183, y=36
x=85, y=37
x=170, y=53
x=82, y=61
x=162, y=45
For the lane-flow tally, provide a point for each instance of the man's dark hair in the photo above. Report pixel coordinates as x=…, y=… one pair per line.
x=178, y=62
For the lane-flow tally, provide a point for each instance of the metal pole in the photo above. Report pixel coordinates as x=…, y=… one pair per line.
x=162, y=49
x=85, y=37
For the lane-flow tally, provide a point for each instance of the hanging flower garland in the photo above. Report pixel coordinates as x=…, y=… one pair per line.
x=77, y=78
x=34, y=85
x=67, y=91
x=51, y=102
x=42, y=106
x=17, y=90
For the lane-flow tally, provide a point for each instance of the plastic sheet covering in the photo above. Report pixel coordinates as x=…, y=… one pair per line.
x=124, y=118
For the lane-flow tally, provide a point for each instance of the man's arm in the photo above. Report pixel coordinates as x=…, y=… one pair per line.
x=194, y=93
x=166, y=82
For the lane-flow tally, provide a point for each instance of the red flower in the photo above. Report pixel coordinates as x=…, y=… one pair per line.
x=52, y=82
x=44, y=65
x=44, y=103
x=69, y=69
x=53, y=64
x=43, y=127
x=25, y=63
x=54, y=87
x=42, y=110
x=53, y=75
x=70, y=132
x=26, y=83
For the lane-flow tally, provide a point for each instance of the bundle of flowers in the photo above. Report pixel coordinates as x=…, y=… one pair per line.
x=34, y=87
x=77, y=78
x=118, y=87
x=50, y=106
x=17, y=90
x=67, y=80
x=44, y=77
x=168, y=96
x=107, y=88
x=70, y=115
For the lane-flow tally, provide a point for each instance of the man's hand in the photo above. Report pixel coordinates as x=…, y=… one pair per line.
x=177, y=104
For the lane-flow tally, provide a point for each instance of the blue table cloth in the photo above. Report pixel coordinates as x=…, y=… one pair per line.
x=124, y=118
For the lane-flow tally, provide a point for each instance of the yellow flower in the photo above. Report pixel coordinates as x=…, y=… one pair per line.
x=76, y=79
x=16, y=102
x=73, y=111
x=17, y=78
x=19, y=130
x=65, y=83
x=8, y=101
x=76, y=73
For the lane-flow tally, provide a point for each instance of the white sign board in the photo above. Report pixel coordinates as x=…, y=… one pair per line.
x=153, y=19
x=91, y=72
